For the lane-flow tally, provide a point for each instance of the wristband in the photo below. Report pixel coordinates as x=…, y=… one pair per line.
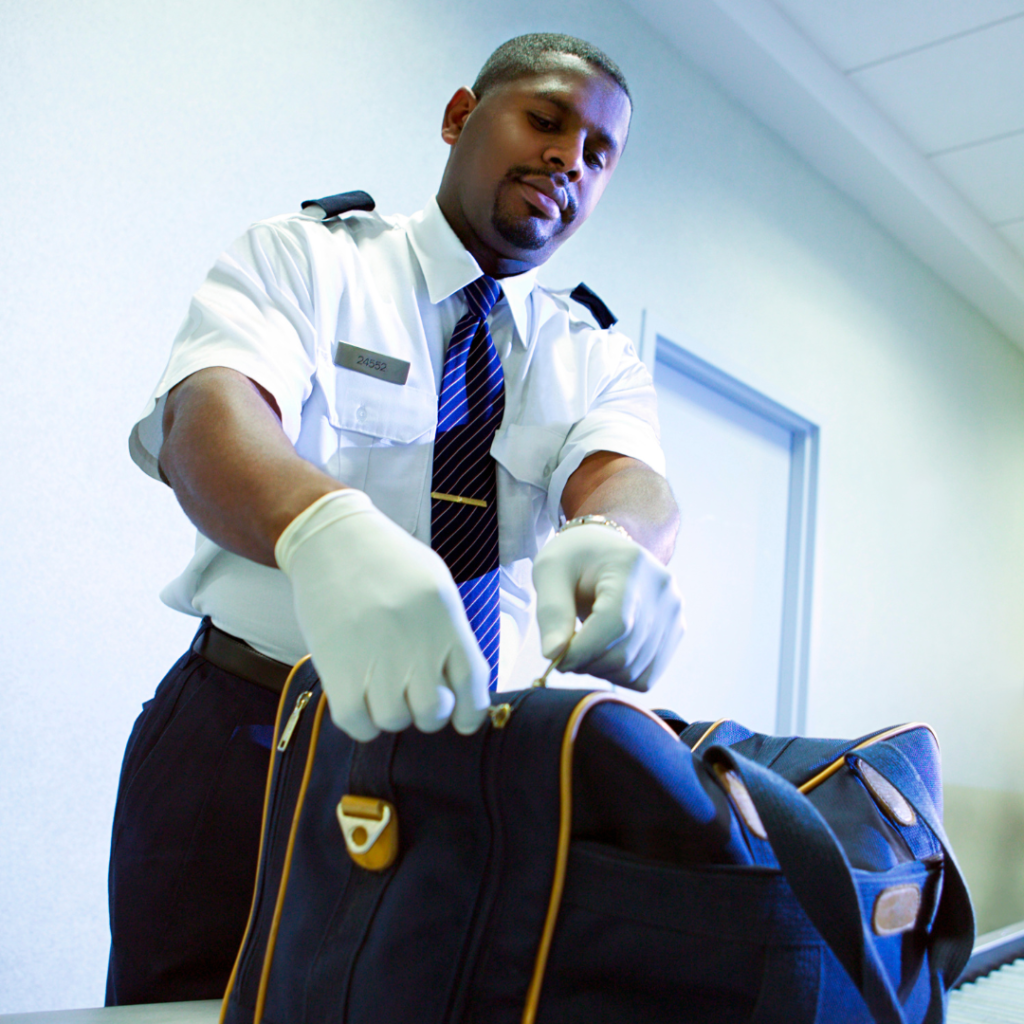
x=596, y=520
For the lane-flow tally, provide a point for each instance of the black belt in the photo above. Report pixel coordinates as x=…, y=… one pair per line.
x=237, y=657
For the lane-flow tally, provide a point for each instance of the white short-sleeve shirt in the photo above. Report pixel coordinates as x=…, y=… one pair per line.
x=277, y=305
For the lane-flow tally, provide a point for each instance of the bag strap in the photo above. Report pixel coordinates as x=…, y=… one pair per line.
x=820, y=875
x=953, y=927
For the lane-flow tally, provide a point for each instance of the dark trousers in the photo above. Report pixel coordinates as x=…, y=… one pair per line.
x=186, y=834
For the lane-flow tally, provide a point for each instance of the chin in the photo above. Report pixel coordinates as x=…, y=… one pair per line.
x=526, y=231
x=529, y=234
x=521, y=234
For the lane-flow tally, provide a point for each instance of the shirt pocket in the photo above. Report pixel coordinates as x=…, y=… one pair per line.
x=527, y=456
x=391, y=413
x=385, y=433
x=529, y=452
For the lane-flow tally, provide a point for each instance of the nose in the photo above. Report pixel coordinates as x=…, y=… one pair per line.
x=566, y=154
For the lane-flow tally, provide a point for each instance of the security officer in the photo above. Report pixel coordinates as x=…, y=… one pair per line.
x=297, y=423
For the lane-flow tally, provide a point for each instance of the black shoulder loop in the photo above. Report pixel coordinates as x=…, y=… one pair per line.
x=602, y=314
x=343, y=202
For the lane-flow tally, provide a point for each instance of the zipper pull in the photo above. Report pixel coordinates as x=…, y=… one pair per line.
x=500, y=714
x=555, y=662
x=293, y=719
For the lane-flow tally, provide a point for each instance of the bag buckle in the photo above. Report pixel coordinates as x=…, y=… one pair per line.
x=370, y=828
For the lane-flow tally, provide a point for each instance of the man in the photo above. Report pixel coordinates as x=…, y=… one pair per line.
x=300, y=425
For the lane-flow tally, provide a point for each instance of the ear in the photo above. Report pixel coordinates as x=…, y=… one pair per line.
x=460, y=106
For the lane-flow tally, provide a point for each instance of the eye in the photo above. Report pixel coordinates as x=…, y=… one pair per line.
x=594, y=159
x=542, y=123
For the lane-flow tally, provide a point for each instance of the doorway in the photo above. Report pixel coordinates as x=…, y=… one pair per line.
x=743, y=468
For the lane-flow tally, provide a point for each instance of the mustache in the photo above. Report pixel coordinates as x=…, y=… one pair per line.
x=558, y=179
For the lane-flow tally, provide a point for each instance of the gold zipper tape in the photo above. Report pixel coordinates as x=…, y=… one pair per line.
x=708, y=732
x=827, y=773
x=565, y=835
x=263, y=831
x=275, y=924
x=838, y=763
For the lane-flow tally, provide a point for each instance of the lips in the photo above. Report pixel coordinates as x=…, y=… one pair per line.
x=542, y=193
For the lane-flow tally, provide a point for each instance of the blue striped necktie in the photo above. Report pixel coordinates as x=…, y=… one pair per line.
x=464, y=519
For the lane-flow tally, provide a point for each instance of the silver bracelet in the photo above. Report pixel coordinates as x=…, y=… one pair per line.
x=597, y=520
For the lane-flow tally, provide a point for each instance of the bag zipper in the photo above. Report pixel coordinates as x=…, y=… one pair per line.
x=280, y=780
x=869, y=741
x=500, y=714
x=306, y=765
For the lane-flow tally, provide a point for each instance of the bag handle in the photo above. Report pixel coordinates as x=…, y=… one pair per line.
x=820, y=875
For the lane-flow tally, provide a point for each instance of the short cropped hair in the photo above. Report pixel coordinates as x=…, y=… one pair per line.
x=525, y=55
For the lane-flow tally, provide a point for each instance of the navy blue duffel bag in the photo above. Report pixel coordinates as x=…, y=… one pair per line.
x=581, y=861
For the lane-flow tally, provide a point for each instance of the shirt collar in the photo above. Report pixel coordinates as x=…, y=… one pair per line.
x=448, y=266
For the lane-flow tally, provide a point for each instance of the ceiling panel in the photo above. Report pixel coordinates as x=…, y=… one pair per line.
x=854, y=32
x=991, y=176
x=965, y=90
x=875, y=147
x=1014, y=233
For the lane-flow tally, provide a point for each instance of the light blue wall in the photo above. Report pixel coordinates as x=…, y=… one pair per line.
x=138, y=139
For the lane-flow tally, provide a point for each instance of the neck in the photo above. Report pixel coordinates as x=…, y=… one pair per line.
x=492, y=263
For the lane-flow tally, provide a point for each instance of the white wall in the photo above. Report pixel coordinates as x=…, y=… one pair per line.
x=138, y=139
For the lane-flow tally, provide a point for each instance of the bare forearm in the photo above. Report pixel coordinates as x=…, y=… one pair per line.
x=232, y=468
x=629, y=492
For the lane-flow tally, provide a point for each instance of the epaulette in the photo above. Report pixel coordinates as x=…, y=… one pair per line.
x=343, y=202
x=600, y=312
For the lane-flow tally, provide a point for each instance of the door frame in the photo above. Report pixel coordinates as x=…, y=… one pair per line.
x=801, y=515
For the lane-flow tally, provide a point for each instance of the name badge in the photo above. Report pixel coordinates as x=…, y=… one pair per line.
x=373, y=364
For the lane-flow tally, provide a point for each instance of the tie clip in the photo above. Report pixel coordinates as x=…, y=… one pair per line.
x=458, y=499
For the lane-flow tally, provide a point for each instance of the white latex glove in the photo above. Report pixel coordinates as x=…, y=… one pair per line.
x=383, y=620
x=628, y=601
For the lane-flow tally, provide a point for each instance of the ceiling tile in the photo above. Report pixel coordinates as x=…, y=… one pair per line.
x=853, y=32
x=1014, y=234
x=990, y=176
x=965, y=90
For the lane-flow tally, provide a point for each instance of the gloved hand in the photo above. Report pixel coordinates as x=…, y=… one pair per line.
x=383, y=620
x=629, y=603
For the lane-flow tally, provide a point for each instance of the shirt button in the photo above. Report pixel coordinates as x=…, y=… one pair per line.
x=549, y=468
x=361, y=412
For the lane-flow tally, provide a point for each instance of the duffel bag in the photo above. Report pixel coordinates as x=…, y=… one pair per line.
x=580, y=860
